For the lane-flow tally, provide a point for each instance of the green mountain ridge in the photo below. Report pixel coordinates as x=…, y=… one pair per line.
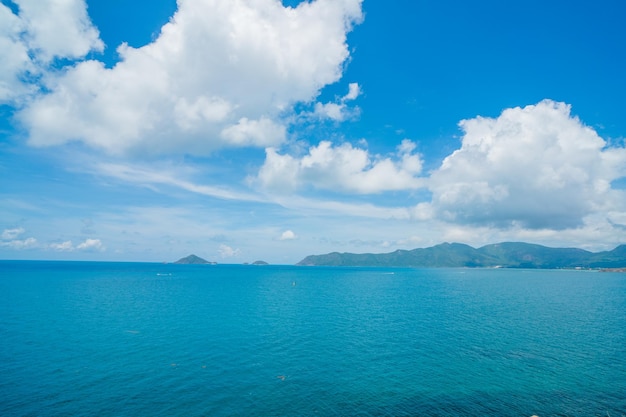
x=504, y=255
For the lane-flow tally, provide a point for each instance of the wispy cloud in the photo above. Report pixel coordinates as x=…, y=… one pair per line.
x=66, y=246
x=9, y=239
x=147, y=177
x=150, y=178
x=88, y=245
x=10, y=234
x=310, y=206
x=226, y=251
x=19, y=244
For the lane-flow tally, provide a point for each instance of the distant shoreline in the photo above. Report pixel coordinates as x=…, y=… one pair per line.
x=498, y=255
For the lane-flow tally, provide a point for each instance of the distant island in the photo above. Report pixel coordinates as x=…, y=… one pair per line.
x=500, y=255
x=196, y=260
x=193, y=260
x=256, y=263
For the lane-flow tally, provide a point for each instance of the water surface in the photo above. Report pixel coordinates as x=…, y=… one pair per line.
x=113, y=339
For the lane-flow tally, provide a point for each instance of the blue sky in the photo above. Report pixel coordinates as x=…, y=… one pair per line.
x=261, y=129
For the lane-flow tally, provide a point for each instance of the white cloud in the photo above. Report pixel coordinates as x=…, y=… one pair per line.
x=288, y=235
x=219, y=74
x=534, y=167
x=354, y=90
x=344, y=168
x=9, y=239
x=279, y=172
x=332, y=111
x=339, y=111
x=226, y=251
x=10, y=234
x=14, y=59
x=66, y=246
x=58, y=28
x=91, y=245
x=27, y=243
x=189, y=115
x=41, y=31
x=263, y=132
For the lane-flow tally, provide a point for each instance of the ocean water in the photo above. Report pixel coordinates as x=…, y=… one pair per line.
x=132, y=339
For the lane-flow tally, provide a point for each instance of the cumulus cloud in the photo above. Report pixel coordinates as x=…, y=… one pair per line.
x=354, y=90
x=343, y=168
x=91, y=244
x=288, y=235
x=58, y=28
x=533, y=167
x=226, y=251
x=39, y=32
x=14, y=59
x=263, y=132
x=339, y=110
x=220, y=73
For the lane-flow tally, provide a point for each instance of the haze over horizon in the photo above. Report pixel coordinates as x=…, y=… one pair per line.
x=261, y=129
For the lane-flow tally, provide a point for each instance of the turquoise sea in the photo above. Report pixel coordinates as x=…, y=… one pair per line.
x=140, y=339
